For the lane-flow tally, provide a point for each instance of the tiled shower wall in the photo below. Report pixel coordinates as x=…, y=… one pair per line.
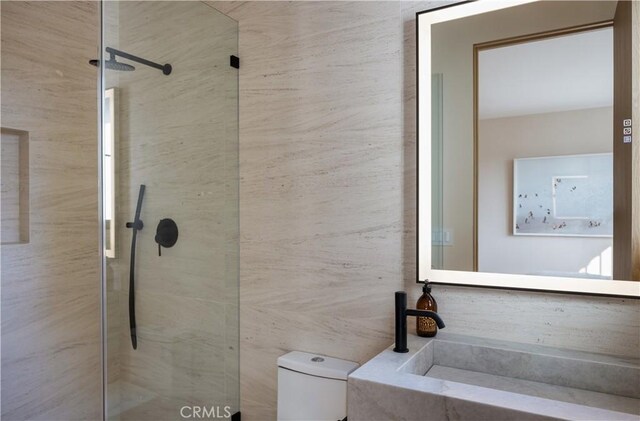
x=177, y=135
x=51, y=285
x=327, y=199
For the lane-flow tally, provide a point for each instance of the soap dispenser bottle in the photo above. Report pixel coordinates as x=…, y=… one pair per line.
x=426, y=326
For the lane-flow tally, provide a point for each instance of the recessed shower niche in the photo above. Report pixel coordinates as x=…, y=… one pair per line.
x=15, y=186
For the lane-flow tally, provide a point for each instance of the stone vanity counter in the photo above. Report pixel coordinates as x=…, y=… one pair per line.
x=455, y=377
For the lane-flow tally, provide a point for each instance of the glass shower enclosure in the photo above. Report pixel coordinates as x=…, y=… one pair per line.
x=169, y=152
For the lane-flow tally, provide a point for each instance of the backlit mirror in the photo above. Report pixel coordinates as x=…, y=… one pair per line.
x=525, y=146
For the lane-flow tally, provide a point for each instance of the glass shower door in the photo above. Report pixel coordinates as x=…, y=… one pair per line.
x=170, y=210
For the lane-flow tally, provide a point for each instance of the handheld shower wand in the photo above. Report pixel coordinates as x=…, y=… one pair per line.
x=136, y=225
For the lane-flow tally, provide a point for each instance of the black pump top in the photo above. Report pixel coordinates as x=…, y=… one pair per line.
x=426, y=288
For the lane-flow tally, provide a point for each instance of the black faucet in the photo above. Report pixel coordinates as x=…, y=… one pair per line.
x=401, y=320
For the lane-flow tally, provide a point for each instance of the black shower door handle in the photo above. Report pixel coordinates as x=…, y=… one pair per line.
x=136, y=225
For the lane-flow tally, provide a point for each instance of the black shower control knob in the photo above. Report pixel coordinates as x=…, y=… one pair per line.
x=166, y=234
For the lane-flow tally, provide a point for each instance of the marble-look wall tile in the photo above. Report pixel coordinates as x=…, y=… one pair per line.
x=321, y=151
x=50, y=285
x=596, y=324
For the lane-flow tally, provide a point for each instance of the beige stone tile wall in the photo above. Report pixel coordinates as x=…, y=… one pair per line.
x=322, y=183
x=51, y=285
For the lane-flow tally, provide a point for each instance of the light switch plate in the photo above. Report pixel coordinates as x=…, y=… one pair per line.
x=442, y=237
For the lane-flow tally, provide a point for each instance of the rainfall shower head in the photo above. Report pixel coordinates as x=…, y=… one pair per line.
x=114, y=64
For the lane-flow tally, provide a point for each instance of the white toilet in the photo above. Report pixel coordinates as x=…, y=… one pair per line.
x=312, y=387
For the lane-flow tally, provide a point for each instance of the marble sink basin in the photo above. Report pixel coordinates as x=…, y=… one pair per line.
x=454, y=377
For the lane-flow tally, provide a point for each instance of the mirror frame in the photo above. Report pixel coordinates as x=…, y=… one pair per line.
x=424, y=20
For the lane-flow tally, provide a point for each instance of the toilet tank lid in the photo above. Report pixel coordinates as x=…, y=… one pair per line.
x=317, y=365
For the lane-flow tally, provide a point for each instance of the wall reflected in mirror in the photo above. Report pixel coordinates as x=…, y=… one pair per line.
x=544, y=156
x=522, y=141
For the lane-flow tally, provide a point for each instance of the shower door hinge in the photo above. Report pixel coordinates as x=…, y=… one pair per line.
x=234, y=61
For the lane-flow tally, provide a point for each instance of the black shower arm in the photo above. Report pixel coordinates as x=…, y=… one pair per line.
x=166, y=68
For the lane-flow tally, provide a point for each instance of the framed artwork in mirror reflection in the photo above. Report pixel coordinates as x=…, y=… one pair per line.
x=569, y=195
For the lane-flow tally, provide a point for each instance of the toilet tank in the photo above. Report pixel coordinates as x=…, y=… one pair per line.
x=312, y=387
